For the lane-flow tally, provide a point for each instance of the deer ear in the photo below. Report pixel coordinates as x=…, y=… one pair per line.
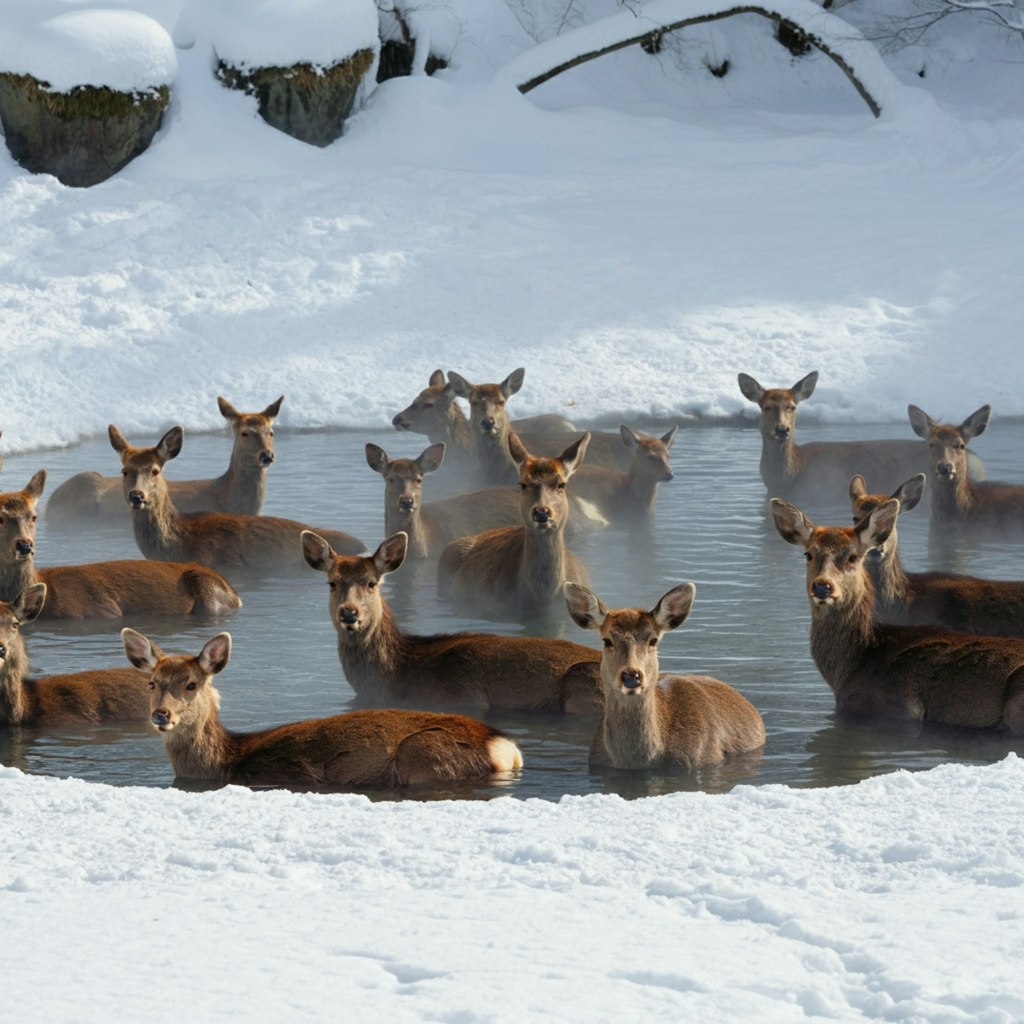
x=391, y=553
x=873, y=530
x=227, y=410
x=517, y=449
x=317, y=552
x=117, y=440
x=36, y=484
x=920, y=421
x=791, y=523
x=584, y=606
x=674, y=607
x=431, y=458
x=909, y=492
x=976, y=423
x=513, y=382
x=377, y=459
x=668, y=437
x=459, y=384
x=858, y=487
x=804, y=387
x=572, y=457
x=750, y=388
x=436, y=379
x=272, y=410
x=141, y=651
x=629, y=438
x=169, y=446
x=215, y=654
x=30, y=603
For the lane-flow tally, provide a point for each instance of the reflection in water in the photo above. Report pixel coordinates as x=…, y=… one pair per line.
x=749, y=626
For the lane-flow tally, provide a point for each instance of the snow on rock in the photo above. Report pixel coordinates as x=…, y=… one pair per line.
x=120, y=49
x=279, y=33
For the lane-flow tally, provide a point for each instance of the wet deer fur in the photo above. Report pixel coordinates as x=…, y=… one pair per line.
x=958, y=502
x=361, y=748
x=222, y=540
x=518, y=571
x=965, y=603
x=911, y=673
x=650, y=718
x=99, y=695
x=242, y=487
x=112, y=589
x=383, y=665
x=811, y=470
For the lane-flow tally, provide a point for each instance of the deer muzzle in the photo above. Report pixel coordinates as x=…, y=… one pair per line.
x=23, y=548
x=946, y=470
x=406, y=504
x=161, y=718
x=631, y=680
x=136, y=499
x=266, y=457
x=348, y=617
x=822, y=592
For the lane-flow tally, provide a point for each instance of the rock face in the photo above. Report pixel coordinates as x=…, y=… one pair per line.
x=82, y=137
x=304, y=101
x=396, y=57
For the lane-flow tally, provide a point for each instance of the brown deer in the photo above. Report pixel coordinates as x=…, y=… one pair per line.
x=651, y=719
x=625, y=496
x=958, y=502
x=431, y=525
x=383, y=665
x=361, y=748
x=964, y=603
x=241, y=488
x=518, y=571
x=100, y=695
x=915, y=674
x=221, y=540
x=810, y=470
x=109, y=590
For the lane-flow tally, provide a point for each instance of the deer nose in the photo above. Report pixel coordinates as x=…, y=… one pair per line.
x=406, y=504
x=266, y=458
x=669, y=475
x=136, y=499
x=23, y=547
x=631, y=678
x=348, y=616
x=945, y=469
x=487, y=424
x=399, y=422
x=542, y=514
x=161, y=717
x=821, y=589
x=782, y=432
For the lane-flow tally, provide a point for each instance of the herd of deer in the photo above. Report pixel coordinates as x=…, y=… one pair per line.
x=922, y=647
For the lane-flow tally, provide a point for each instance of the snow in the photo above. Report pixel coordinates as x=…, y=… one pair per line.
x=121, y=49
x=634, y=233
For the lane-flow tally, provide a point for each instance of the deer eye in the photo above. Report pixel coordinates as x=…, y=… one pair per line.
x=852, y=559
x=428, y=405
x=653, y=642
x=191, y=686
x=807, y=556
x=270, y=433
x=331, y=585
x=154, y=471
x=372, y=585
x=561, y=485
x=607, y=643
x=244, y=433
x=152, y=685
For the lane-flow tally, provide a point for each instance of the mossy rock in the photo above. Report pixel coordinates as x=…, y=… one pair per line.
x=83, y=136
x=307, y=102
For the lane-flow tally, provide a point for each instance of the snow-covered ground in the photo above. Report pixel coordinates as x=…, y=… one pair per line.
x=634, y=233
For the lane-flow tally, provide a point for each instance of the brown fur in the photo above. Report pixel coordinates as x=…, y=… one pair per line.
x=964, y=603
x=958, y=502
x=519, y=571
x=100, y=695
x=914, y=673
x=628, y=495
x=653, y=719
x=218, y=539
x=481, y=670
x=362, y=748
x=241, y=488
x=812, y=470
x=109, y=590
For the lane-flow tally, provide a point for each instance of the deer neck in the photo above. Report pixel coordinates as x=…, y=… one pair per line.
x=15, y=576
x=201, y=748
x=542, y=570
x=781, y=461
x=13, y=704
x=952, y=502
x=372, y=656
x=412, y=523
x=840, y=635
x=455, y=430
x=159, y=528
x=495, y=459
x=244, y=487
x=889, y=578
x=631, y=729
x=640, y=489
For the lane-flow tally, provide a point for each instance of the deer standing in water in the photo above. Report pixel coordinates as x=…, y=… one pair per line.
x=383, y=665
x=108, y=590
x=100, y=695
x=651, y=719
x=964, y=603
x=241, y=488
x=959, y=503
x=362, y=748
x=625, y=496
x=518, y=571
x=915, y=674
x=810, y=470
x=219, y=539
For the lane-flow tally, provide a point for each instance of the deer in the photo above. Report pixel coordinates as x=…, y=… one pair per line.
x=630, y=495
x=960, y=504
x=482, y=671
x=108, y=590
x=432, y=525
x=652, y=719
x=967, y=604
x=806, y=471
x=518, y=571
x=98, y=695
x=382, y=748
x=221, y=540
x=241, y=488
x=910, y=675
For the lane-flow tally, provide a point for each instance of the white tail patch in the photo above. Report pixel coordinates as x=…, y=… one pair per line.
x=591, y=511
x=504, y=754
